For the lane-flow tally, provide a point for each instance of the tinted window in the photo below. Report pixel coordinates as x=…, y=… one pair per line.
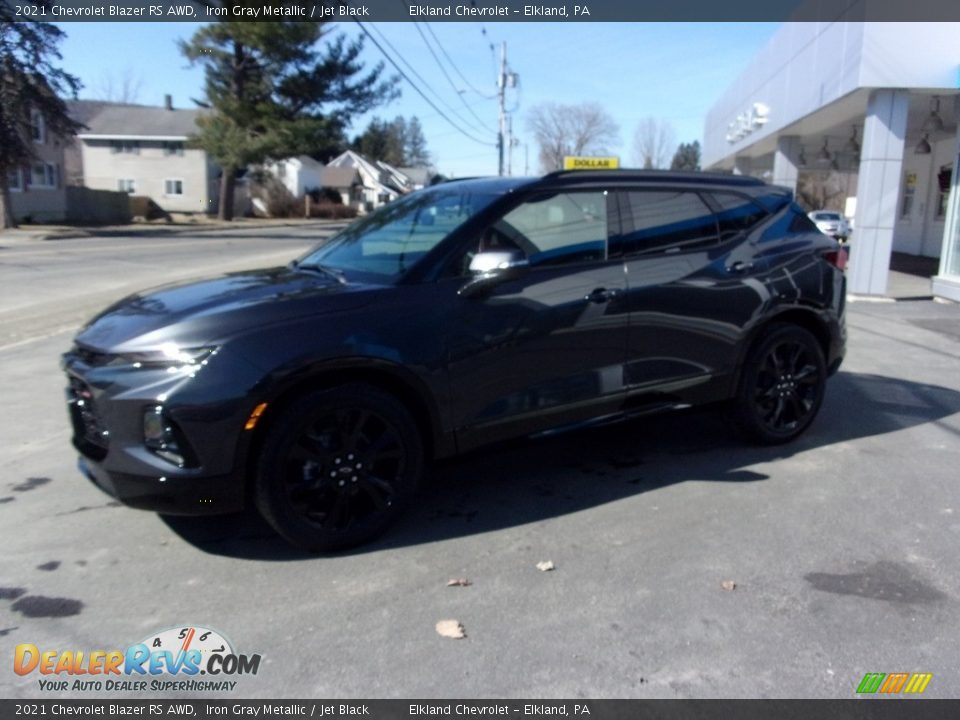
x=658, y=220
x=801, y=224
x=736, y=213
x=561, y=228
x=388, y=242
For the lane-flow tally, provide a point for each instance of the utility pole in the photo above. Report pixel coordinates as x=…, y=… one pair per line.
x=510, y=145
x=502, y=95
x=505, y=140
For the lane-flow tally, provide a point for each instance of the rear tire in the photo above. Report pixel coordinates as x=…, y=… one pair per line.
x=781, y=386
x=338, y=466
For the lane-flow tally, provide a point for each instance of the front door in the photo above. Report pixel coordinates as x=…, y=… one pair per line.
x=547, y=347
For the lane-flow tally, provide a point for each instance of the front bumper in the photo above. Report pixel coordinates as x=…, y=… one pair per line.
x=209, y=407
x=170, y=496
x=834, y=231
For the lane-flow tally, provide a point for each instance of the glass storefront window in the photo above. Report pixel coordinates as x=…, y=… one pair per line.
x=951, y=262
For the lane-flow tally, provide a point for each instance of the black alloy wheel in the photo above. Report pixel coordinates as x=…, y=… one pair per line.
x=338, y=466
x=782, y=385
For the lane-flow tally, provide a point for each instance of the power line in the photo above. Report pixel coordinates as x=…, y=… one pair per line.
x=449, y=79
x=422, y=80
x=424, y=116
x=454, y=65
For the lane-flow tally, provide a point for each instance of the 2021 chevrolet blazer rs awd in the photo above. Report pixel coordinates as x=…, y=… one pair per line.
x=462, y=314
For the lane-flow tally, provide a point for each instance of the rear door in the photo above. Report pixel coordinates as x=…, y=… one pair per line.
x=689, y=292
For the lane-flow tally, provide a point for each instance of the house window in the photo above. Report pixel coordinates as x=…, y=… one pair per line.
x=173, y=187
x=124, y=147
x=13, y=181
x=38, y=130
x=43, y=175
x=173, y=148
x=127, y=185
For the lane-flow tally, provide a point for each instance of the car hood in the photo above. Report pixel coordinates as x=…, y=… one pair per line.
x=210, y=311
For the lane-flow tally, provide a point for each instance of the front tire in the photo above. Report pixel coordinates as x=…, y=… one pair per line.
x=782, y=385
x=338, y=466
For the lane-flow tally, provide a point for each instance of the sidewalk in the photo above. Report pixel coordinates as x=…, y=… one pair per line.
x=908, y=279
x=40, y=233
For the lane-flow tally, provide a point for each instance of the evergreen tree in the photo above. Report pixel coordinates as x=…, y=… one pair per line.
x=374, y=141
x=30, y=83
x=415, y=145
x=687, y=157
x=399, y=142
x=275, y=91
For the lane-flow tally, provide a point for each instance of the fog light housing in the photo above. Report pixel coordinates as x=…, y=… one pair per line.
x=160, y=436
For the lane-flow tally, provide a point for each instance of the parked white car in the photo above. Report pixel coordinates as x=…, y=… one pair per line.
x=832, y=223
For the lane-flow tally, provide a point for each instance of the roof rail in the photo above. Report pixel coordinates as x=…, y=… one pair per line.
x=657, y=176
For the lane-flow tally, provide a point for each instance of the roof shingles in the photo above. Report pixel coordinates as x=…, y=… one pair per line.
x=115, y=119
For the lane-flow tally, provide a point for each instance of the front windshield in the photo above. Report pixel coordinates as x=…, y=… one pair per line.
x=387, y=243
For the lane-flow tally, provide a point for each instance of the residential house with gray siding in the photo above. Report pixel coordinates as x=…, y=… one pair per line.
x=37, y=188
x=142, y=150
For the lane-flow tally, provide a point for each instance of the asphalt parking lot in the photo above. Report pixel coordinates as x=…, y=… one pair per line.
x=686, y=563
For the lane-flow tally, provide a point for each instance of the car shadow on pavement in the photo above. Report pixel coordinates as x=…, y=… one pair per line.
x=527, y=481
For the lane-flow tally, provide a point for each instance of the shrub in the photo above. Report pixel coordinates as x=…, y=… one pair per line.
x=332, y=211
x=319, y=195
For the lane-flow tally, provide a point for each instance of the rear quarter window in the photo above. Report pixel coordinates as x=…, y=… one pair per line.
x=736, y=214
x=802, y=224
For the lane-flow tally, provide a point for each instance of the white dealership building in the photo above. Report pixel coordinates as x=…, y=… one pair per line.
x=867, y=114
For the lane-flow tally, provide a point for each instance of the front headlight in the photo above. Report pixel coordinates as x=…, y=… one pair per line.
x=168, y=355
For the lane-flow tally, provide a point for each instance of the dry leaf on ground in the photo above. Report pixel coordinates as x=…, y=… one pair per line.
x=450, y=629
x=728, y=585
x=458, y=582
x=545, y=566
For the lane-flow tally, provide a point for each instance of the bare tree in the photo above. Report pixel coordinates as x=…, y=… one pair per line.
x=653, y=143
x=571, y=130
x=120, y=88
x=823, y=190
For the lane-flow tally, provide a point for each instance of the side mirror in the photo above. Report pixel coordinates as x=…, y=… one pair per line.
x=490, y=269
x=494, y=260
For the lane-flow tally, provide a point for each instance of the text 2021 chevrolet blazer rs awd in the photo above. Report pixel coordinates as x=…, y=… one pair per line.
x=459, y=315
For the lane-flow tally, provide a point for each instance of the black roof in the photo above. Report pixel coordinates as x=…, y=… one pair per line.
x=754, y=187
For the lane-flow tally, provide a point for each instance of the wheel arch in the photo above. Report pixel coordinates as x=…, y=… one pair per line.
x=380, y=374
x=807, y=318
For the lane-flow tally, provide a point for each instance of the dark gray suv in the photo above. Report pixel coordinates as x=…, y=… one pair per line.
x=459, y=315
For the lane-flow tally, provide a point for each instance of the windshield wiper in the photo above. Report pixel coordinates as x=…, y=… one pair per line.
x=324, y=269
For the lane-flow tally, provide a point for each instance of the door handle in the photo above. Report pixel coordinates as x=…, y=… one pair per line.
x=740, y=267
x=601, y=295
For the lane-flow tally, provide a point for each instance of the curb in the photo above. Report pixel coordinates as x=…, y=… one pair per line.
x=135, y=230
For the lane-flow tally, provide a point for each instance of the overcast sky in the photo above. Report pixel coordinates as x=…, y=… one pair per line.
x=664, y=70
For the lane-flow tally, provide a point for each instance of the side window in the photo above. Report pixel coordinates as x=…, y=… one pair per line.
x=801, y=223
x=553, y=229
x=736, y=213
x=659, y=220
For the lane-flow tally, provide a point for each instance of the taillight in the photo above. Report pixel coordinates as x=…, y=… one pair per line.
x=837, y=258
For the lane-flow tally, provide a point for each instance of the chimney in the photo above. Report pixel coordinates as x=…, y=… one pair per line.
x=168, y=101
